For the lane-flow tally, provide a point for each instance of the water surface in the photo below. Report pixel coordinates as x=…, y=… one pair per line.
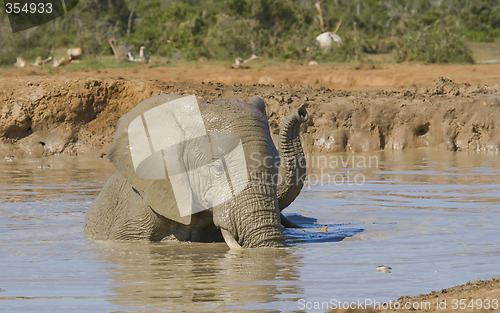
x=433, y=216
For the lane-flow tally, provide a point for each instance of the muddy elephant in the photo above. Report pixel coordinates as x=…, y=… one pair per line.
x=192, y=170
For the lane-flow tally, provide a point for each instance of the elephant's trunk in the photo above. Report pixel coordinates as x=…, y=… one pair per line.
x=267, y=232
x=292, y=171
x=253, y=220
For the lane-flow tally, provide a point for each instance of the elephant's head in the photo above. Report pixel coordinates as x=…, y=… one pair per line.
x=188, y=158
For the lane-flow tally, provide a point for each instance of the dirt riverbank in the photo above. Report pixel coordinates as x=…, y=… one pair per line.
x=44, y=115
x=473, y=297
x=362, y=77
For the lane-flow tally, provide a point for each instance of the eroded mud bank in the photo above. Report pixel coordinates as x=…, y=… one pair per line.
x=51, y=115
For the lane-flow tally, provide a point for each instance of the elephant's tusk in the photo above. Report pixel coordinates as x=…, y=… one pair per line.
x=230, y=240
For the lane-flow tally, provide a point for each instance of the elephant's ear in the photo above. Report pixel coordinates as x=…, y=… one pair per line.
x=148, y=151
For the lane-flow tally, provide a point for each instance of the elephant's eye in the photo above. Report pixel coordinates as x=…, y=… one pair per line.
x=218, y=168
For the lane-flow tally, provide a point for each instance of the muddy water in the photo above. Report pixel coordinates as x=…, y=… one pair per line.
x=434, y=217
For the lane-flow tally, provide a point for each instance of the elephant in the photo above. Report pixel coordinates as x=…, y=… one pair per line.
x=200, y=171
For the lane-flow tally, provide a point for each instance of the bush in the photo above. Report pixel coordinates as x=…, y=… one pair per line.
x=432, y=45
x=231, y=37
x=424, y=31
x=477, y=36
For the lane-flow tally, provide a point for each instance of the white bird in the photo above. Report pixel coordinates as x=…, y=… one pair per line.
x=384, y=269
x=131, y=57
x=144, y=55
x=328, y=39
x=238, y=61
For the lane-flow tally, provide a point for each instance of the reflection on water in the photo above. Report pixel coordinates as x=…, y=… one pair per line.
x=198, y=277
x=433, y=216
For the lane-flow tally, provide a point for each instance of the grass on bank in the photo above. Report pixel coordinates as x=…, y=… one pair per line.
x=484, y=52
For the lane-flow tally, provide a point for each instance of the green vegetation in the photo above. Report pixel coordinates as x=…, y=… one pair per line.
x=428, y=31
